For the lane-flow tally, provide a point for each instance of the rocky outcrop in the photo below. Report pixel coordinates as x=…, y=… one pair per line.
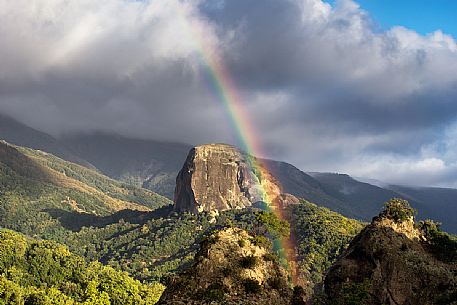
x=231, y=268
x=220, y=177
x=389, y=263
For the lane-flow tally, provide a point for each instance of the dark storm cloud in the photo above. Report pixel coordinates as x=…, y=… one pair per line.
x=325, y=89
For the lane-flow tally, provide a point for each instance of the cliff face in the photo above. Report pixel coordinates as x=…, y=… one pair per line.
x=389, y=263
x=231, y=269
x=218, y=177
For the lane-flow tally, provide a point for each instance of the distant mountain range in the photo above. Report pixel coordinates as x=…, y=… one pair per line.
x=154, y=165
x=143, y=163
x=20, y=134
x=150, y=164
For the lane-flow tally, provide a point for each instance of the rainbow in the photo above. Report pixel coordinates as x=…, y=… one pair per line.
x=227, y=93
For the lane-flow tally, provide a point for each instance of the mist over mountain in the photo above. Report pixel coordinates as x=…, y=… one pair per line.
x=144, y=163
x=23, y=135
x=154, y=165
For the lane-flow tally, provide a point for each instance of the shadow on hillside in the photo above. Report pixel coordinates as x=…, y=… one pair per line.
x=75, y=221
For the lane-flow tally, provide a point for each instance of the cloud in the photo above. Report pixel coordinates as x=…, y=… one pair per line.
x=324, y=87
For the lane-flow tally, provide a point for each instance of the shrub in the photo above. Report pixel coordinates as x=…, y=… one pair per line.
x=275, y=283
x=429, y=227
x=261, y=241
x=214, y=292
x=443, y=245
x=398, y=210
x=248, y=262
x=212, y=239
x=251, y=286
x=270, y=257
x=10, y=293
x=227, y=271
x=355, y=293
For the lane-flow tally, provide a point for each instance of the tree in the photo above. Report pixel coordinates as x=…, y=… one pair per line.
x=10, y=293
x=275, y=226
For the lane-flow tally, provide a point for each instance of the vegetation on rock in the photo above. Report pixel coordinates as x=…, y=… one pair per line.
x=395, y=261
x=398, y=210
x=251, y=280
x=442, y=244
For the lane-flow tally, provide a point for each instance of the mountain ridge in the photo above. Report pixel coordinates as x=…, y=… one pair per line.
x=33, y=183
x=154, y=166
x=20, y=134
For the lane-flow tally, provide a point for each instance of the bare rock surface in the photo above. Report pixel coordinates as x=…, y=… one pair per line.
x=220, y=177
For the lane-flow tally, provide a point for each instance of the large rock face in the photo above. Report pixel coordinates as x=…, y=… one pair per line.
x=219, y=177
x=389, y=263
x=232, y=269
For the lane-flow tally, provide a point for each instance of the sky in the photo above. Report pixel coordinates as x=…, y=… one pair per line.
x=369, y=90
x=423, y=16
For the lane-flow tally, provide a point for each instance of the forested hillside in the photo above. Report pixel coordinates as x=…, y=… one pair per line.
x=37, y=189
x=46, y=273
x=158, y=246
x=321, y=236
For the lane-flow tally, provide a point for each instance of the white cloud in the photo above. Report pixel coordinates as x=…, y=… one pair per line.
x=406, y=171
x=324, y=88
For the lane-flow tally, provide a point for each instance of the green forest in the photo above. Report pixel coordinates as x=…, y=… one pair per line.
x=45, y=272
